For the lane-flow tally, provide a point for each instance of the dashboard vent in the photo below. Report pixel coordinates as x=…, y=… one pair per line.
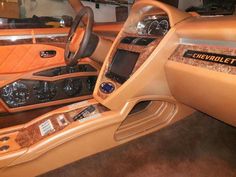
x=137, y=41
x=128, y=40
x=144, y=41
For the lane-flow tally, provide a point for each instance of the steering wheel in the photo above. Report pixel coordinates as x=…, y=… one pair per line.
x=81, y=42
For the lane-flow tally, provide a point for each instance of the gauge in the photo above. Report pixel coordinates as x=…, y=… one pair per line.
x=15, y=94
x=140, y=28
x=153, y=25
x=45, y=91
x=153, y=28
x=158, y=27
x=72, y=87
x=164, y=27
x=91, y=82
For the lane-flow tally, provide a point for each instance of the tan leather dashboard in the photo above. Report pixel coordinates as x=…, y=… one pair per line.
x=206, y=79
x=209, y=35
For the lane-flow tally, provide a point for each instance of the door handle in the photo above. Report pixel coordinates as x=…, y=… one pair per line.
x=48, y=54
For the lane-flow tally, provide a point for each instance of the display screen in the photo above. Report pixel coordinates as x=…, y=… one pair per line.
x=122, y=65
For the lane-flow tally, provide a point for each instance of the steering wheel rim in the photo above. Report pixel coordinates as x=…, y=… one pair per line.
x=72, y=58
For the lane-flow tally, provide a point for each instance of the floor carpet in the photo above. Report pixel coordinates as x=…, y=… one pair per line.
x=198, y=146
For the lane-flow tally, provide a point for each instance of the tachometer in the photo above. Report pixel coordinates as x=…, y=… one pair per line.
x=153, y=28
x=164, y=26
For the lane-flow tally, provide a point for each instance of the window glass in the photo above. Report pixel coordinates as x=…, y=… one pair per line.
x=35, y=13
x=109, y=10
x=59, y=13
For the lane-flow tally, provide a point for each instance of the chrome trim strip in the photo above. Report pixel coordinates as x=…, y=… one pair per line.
x=207, y=42
x=29, y=36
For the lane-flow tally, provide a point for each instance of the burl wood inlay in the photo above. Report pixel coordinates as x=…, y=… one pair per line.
x=144, y=51
x=31, y=134
x=16, y=42
x=58, y=41
x=177, y=56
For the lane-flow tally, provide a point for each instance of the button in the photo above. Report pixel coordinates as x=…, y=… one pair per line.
x=107, y=87
x=4, y=148
x=4, y=139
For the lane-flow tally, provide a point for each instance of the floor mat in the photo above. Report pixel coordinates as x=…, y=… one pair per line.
x=198, y=146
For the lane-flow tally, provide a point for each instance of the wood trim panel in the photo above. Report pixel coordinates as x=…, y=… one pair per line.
x=58, y=41
x=31, y=134
x=177, y=56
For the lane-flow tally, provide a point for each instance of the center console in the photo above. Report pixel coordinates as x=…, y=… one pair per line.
x=136, y=42
x=50, y=125
x=126, y=58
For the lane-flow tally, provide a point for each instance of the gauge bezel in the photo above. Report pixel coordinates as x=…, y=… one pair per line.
x=144, y=24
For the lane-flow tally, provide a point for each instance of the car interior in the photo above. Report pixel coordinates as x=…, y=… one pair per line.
x=69, y=93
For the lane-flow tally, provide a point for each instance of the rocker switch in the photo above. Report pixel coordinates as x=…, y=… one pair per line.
x=86, y=112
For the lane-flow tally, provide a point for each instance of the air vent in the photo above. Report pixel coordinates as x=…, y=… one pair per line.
x=66, y=70
x=137, y=41
x=144, y=41
x=128, y=40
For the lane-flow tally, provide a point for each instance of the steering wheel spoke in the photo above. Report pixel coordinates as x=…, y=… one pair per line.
x=79, y=39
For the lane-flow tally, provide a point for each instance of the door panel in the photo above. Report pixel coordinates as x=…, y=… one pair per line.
x=20, y=61
x=23, y=58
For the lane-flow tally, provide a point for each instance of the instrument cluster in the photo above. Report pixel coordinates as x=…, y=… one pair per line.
x=154, y=25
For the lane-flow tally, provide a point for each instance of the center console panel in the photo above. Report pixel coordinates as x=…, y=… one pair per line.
x=52, y=86
x=41, y=129
x=126, y=58
x=31, y=92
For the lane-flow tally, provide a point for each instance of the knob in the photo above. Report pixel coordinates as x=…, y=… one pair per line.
x=107, y=87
